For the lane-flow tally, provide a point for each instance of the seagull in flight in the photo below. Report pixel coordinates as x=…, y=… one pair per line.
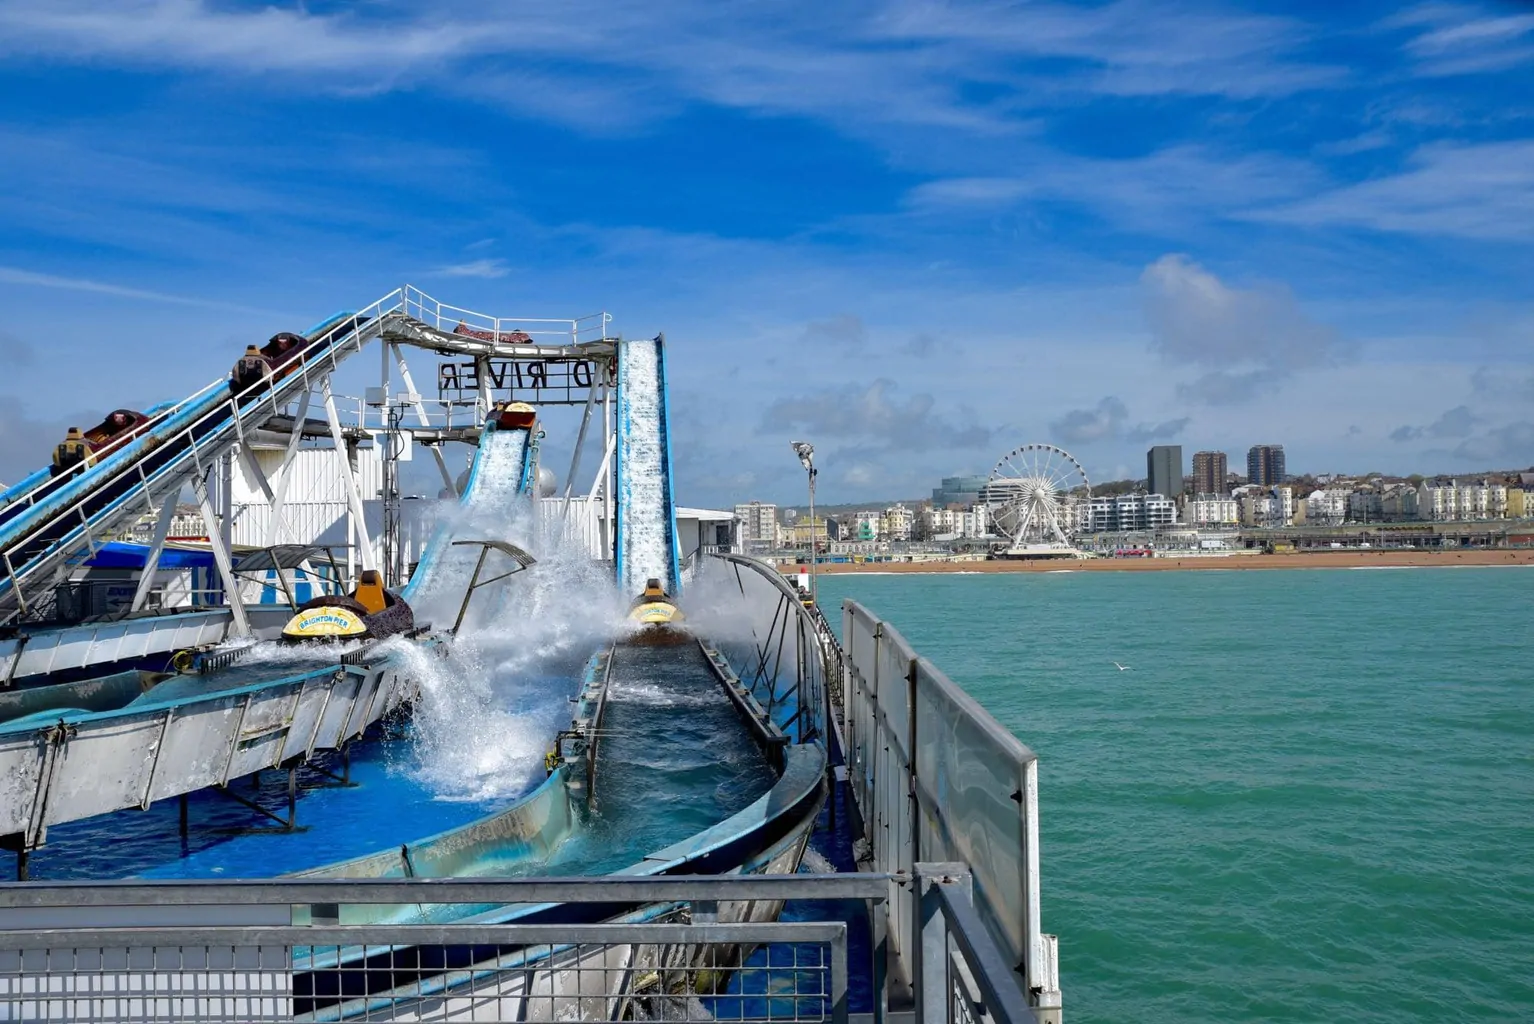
x=1121, y=668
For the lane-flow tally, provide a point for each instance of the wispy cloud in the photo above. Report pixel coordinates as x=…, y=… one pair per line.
x=1465, y=39
x=1108, y=421
x=488, y=269
x=1162, y=189
x=1479, y=191
x=1459, y=421
x=894, y=62
x=874, y=417
x=29, y=278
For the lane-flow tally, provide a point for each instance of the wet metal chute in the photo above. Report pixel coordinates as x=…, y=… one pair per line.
x=520, y=560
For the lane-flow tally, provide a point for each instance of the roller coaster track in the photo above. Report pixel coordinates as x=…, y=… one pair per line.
x=49, y=526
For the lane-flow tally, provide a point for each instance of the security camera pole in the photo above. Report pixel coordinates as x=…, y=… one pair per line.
x=806, y=453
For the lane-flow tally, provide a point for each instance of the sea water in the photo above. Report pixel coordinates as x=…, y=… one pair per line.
x=1309, y=797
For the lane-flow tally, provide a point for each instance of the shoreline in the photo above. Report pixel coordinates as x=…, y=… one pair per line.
x=1355, y=559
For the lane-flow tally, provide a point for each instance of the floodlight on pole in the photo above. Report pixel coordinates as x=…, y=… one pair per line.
x=806, y=453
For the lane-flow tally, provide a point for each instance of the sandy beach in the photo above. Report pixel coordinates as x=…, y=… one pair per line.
x=1356, y=559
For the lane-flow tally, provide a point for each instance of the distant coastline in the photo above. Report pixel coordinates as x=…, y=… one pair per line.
x=1354, y=559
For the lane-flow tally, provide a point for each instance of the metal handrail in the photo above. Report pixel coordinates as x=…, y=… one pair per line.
x=467, y=891
x=233, y=412
x=434, y=312
x=48, y=487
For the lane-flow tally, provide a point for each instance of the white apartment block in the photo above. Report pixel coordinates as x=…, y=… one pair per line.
x=1366, y=507
x=1454, y=501
x=936, y=522
x=1271, y=507
x=1126, y=512
x=758, y=524
x=953, y=522
x=1213, y=510
x=1328, y=507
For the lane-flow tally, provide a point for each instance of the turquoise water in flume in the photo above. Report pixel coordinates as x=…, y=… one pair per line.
x=1309, y=798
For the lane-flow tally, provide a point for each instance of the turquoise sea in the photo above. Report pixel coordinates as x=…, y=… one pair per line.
x=1309, y=798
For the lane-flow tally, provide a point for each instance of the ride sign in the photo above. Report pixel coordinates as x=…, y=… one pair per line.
x=540, y=381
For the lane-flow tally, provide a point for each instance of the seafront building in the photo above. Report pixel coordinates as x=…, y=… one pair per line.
x=1265, y=465
x=1211, y=475
x=1341, y=511
x=1328, y=507
x=758, y=528
x=897, y=523
x=1163, y=470
x=1268, y=507
x=1451, y=501
x=1213, y=510
x=1127, y=512
x=958, y=490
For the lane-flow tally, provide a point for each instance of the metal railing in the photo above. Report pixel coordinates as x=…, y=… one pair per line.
x=784, y=660
x=420, y=306
x=661, y=948
x=197, y=444
x=193, y=450
x=937, y=778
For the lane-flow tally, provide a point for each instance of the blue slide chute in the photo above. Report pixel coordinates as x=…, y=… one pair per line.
x=647, y=541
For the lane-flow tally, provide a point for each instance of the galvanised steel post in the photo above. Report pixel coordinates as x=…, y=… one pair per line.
x=806, y=453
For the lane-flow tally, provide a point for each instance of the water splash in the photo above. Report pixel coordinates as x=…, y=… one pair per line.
x=489, y=707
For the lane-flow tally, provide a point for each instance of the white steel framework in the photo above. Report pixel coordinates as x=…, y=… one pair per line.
x=1030, y=494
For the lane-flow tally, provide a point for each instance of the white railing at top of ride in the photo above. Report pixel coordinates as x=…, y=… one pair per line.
x=410, y=301
x=407, y=300
x=423, y=307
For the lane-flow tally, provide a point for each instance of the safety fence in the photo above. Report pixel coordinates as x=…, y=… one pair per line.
x=602, y=949
x=776, y=645
x=501, y=329
x=936, y=778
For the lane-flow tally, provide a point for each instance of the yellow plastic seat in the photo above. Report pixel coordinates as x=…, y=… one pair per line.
x=370, y=592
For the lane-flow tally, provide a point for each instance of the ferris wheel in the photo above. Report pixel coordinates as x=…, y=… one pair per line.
x=1032, y=493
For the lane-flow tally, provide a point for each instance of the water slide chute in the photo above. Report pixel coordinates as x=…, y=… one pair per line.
x=647, y=562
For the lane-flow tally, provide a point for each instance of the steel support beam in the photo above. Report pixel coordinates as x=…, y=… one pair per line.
x=156, y=547
x=285, y=473
x=353, y=492
x=221, y=557
x=580, y=443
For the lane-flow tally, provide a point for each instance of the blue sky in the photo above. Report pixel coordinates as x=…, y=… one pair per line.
x=918, y=234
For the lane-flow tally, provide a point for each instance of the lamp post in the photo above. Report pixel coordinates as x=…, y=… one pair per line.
x=806, y=453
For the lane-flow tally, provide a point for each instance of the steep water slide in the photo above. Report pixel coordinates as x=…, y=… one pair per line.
x=647, y=543
x=505, y=467
x=58, y=522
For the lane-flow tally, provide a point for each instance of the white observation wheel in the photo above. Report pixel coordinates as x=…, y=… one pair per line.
x=1032, y=493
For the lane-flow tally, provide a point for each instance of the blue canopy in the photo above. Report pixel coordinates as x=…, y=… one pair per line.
x=119, y=555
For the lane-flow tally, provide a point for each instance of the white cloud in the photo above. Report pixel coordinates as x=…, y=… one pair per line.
x=1479, y=191
x=32, y=279
x=1247, y=340
x=1164, y=189
x=488, y=269
x=861, y=64
x=1463, y=39
x=872, y=417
